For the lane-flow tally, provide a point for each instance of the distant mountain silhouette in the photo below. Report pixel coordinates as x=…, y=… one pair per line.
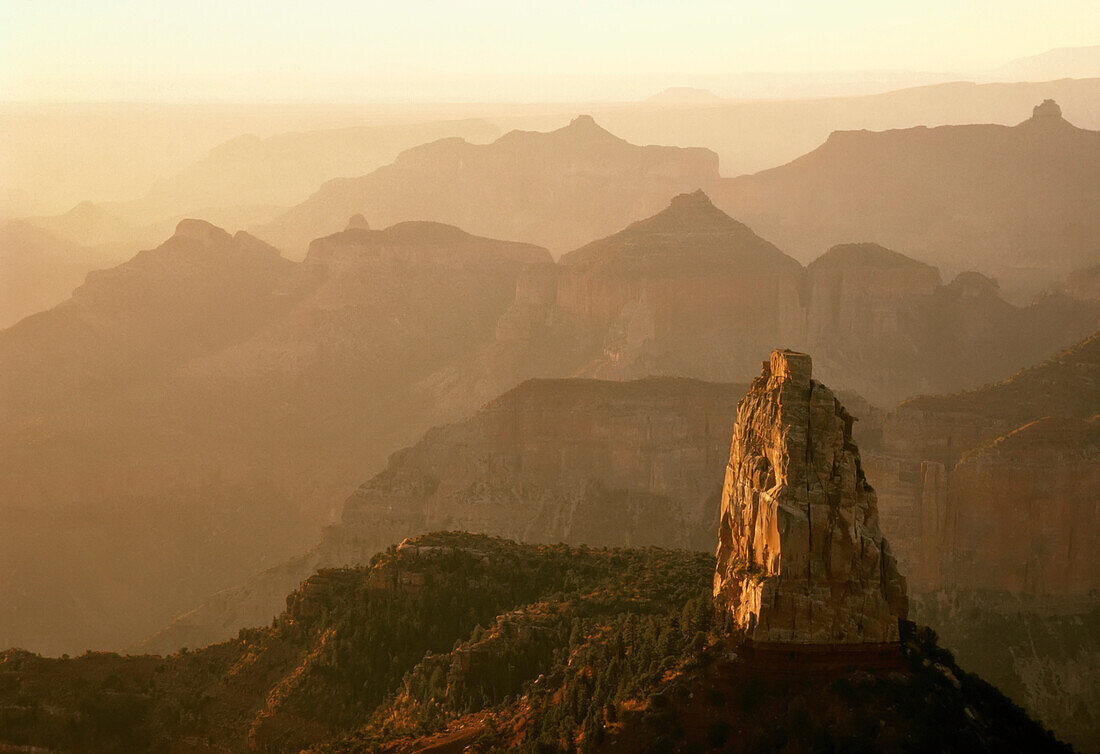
x=682, y=95
x=189, y=415
x=1016, y=202
x=693, y=292
x=87, y=224
x=282, y=170
x=689, y=233
x=558, y=189
x=40, y=268
x=751, y=135
x=1060, y=63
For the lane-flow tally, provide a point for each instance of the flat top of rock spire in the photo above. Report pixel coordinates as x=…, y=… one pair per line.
x=791, y=365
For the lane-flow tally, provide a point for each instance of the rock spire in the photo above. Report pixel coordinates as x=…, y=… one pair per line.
x=801, y=558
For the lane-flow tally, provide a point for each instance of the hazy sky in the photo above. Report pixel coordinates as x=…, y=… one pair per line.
x=493, y=49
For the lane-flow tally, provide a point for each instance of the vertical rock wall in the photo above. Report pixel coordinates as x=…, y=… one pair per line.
x=801, y=558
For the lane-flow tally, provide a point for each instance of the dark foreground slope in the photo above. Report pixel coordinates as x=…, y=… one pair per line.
x=462, y=640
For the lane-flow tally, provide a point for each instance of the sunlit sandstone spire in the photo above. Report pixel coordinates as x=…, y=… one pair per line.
x=801, y=559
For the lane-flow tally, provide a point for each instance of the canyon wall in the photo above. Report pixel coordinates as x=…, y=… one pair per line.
x=642, y=462
x=692, y=292
x=944, y=475
x=580, y=461
x=989, y=498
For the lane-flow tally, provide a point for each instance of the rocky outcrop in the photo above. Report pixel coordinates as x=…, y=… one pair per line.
x=1046, y=111
x=801, y=559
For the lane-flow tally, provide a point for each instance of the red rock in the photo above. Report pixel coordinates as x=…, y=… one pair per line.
x=801, y=559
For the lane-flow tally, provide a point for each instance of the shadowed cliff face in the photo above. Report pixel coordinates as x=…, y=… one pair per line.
x=946, y=480
x=569, y=460
x=1016, y=202
x=1040, y=479
x=801, y=559
x=558, y=189
x=989, y=500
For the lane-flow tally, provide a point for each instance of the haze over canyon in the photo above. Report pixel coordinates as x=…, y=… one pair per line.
x=748, y=412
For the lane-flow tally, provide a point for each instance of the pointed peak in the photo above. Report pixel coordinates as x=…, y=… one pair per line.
x=689, y=232
x=689, y=212
x=89, y=212
x=693, y=199
x=200, y=230
x=585, y=127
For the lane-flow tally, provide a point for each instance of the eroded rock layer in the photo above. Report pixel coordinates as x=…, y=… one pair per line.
x=801, y=558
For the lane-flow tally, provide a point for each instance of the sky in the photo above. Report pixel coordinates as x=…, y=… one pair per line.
x=422, y=50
